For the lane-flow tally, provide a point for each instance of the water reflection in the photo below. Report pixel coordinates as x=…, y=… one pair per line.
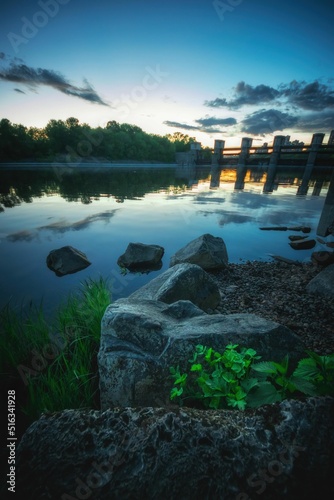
x=87, y=185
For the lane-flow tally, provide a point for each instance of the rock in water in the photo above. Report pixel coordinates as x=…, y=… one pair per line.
x=66, y=260
x=283, y=450
x=302, y=245
x=207, y=251
x=141, y=256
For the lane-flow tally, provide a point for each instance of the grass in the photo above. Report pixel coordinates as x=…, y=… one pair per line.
x=54, y=366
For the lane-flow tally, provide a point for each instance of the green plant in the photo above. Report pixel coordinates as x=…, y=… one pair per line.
x=69, y=378
x=234, y=379
x=217, y=380
x=319, y=371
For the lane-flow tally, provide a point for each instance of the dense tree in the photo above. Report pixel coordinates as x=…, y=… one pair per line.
x=74, y=142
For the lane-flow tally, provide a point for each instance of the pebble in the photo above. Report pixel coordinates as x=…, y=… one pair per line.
x=277, y=291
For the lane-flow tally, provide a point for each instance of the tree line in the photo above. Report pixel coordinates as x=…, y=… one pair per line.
x=75, y=142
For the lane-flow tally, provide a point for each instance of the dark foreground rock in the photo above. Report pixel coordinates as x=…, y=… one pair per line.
x=323, y=283
x=182, y=282
x=141, y=339
x=207, y=251
x=141, y=256
x=67, y=260
x=282, y=451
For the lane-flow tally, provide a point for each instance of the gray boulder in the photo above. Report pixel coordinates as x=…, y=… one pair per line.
x=207, y=251
x=283, y=450
x=141, y=339
x=66, y=260
x=182, y=282
x=139, y=255
x=323, y=283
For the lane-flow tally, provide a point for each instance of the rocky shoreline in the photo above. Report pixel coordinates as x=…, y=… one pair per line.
x=277, y=291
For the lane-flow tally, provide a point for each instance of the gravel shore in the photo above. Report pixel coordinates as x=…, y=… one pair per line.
x=277, y=291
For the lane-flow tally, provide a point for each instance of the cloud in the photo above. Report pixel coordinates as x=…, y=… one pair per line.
x=2, y=55
x=312, y=96
x=210, y=121
x=209, y=125
x=268, y=121
x=33, y=78
x=20, y=91
x=184, y=126
x=246, y=95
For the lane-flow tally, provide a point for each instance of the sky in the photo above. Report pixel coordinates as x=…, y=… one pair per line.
x=212, y=69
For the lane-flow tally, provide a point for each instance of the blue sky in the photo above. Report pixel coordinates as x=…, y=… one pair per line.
x=220, y=69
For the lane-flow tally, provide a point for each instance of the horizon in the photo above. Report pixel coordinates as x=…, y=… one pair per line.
x=212, y=70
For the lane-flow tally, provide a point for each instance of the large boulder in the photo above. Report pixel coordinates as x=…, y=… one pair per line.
x=207, y=251
x=141, y=339
x=283, y=450
x=66, y=260
x=139, y=255
x=323, y=283
x=182, y=282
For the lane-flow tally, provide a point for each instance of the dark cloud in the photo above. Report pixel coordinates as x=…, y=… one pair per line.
x=20, y=91
x=321, y=122
x=209, y=125
x=210, y=121
x=2, y=55
x=33, y=78
x=184, y=126
x=246, y=95
x=267, y=122
x=313, y=96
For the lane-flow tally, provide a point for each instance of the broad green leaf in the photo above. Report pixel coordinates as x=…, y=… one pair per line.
x=249, y=384
x=306, y=369
x=304, y=385
x=265, y=367
x=176, y=392
x=265, y=393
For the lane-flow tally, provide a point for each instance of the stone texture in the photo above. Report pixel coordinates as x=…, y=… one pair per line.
x=140, y=340
x=67, y=260
x=278, y=451
x=207, y=251
x=323, y=283
x=139, y=255
x=302, y=245
x=182, y=282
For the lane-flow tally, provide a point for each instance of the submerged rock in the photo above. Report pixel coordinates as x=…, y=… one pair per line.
x=66, y=260
x=207, y=251
x=141, y=256
x=303, y=245
x=283, y=450
x=142, y=339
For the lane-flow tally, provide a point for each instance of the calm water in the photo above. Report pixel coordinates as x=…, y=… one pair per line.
x=99, y=211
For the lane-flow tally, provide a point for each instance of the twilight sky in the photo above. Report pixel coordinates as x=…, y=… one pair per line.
x=213, y=69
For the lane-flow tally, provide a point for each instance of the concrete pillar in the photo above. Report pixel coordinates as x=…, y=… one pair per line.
x=217, y=152
x=317, y=188
x=195, y=147
x=279, y=141
x=327, y=215
x=331, y=139
x=315, y=145
x=246, y=144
